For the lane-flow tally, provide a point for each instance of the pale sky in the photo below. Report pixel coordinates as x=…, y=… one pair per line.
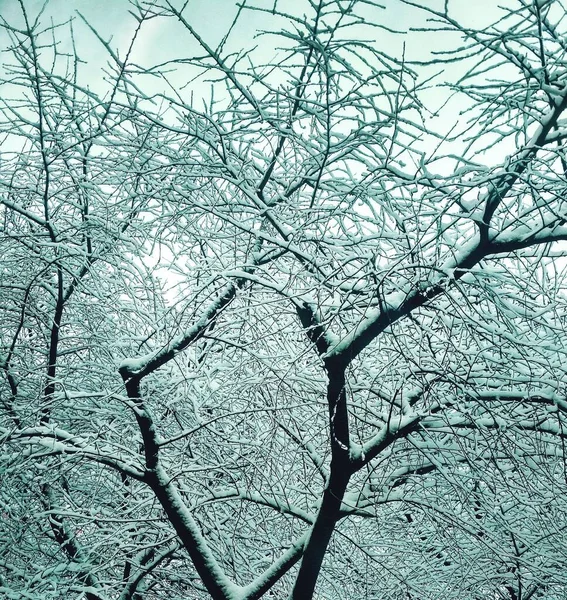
x=164, y=39
x=211, y=18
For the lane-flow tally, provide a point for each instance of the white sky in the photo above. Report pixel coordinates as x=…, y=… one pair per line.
x=164, y=39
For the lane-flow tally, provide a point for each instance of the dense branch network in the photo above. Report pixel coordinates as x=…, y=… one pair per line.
x=295, y=339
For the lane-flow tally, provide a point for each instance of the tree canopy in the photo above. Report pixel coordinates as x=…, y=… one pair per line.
x=284, y=316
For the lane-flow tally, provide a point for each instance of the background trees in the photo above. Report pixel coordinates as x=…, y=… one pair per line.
x=300, y=335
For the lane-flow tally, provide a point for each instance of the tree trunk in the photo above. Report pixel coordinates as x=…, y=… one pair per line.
x=317, y=544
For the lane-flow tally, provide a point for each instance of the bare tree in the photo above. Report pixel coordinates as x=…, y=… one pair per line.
x=301, y=337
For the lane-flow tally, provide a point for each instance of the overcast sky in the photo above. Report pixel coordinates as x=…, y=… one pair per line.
x=164, y=39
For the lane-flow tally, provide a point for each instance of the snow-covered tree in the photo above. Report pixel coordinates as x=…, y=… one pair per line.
x=285, y=317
